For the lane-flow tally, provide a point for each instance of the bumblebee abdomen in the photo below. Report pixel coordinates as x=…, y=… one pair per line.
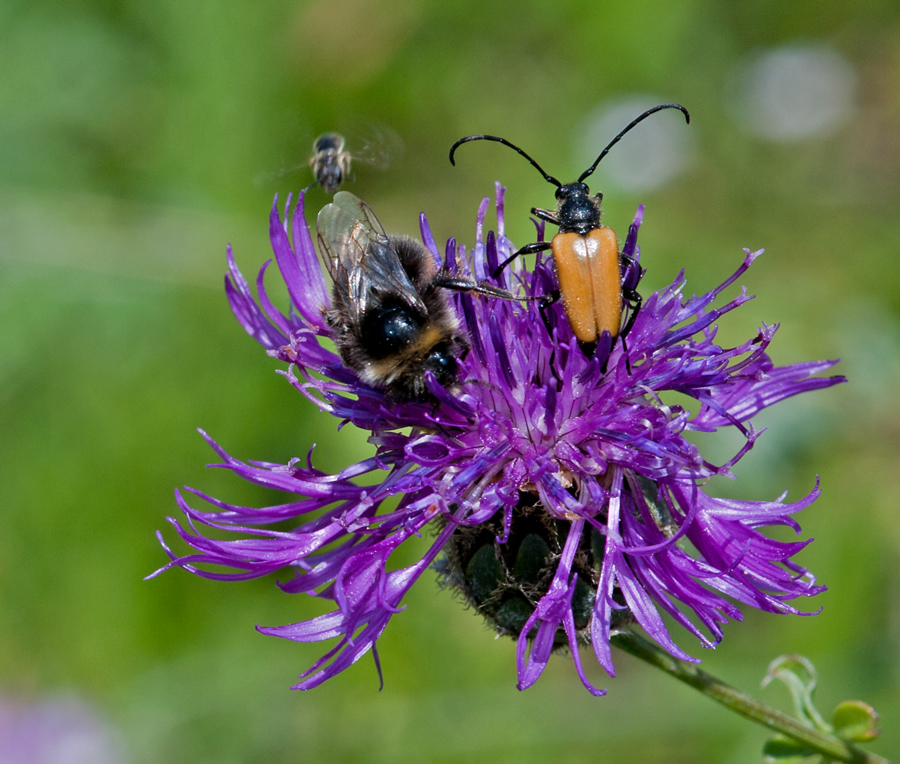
x=402, y=371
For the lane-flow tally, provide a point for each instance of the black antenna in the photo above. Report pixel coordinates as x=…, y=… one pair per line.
x=549, y=178
x=614, y=141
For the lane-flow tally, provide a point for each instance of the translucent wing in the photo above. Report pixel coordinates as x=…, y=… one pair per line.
x=377, y=145
x=360, y=257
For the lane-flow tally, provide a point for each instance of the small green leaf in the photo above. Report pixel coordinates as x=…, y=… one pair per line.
x=800, y=677
x=785, y=750
x=855, y=721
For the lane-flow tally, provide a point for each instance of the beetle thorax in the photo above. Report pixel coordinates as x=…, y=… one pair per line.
x=577, y=210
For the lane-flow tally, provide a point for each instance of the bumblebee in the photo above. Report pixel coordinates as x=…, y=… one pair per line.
x=330, y=162
x=390, y=315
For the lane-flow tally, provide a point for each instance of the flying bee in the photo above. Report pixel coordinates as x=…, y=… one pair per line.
x=390, y=315
x=585, y=253
x=330, y=162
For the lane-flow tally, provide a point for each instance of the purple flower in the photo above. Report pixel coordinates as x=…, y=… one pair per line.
x=562, y=491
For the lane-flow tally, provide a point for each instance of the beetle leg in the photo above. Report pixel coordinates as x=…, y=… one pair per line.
x=635, y=301
x=548, y=215
x=546, y=300
x=632, y=297
x=528, y=249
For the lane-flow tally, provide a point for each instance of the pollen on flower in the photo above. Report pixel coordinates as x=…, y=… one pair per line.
x=557, y=485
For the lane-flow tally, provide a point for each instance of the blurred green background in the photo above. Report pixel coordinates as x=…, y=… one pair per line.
x=138, y=139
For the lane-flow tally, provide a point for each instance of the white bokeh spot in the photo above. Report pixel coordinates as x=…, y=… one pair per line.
x=794, y=92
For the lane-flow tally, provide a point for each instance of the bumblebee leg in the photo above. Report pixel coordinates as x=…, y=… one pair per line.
x=458, y=284
x=528, y=249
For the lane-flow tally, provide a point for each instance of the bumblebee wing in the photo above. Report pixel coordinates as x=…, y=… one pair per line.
x=360, y=257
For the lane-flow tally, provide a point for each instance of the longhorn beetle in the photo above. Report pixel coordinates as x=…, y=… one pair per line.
x=585, y=253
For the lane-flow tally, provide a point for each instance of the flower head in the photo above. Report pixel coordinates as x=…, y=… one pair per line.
x=564, y=496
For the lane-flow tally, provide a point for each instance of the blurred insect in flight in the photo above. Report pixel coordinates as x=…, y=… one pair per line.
x=391, y=319
x=330, y=162
x=585, y=253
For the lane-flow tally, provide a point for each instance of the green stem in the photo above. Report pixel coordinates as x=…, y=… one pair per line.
x=830, y=746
